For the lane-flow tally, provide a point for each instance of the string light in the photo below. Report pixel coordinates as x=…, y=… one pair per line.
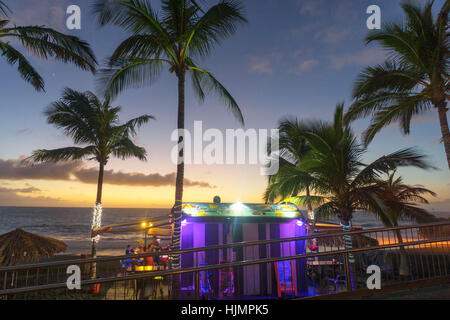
x=97, y=219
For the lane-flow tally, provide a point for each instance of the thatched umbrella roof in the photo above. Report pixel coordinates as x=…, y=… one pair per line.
x=21, y=246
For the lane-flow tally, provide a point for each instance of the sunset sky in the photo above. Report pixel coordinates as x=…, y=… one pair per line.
x=295, y=58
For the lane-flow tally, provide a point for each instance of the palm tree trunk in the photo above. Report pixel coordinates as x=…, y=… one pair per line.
x=100, y=184
x=96, y=220
x=176, y=210
x=311, y=219
x=180, y=165
x=442, y=110
x=348, y=244
x=310, y=210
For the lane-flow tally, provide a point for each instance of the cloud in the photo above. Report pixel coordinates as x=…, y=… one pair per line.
x=304, y=66
x=134, y=179
x=269, y=63
x=332, y=35
x=25, y=131
x=361, y=57
x=325, y=11
x=17, y=169
x=310, y=7
x=26, y=197
x=29, y=189
x=263, y=64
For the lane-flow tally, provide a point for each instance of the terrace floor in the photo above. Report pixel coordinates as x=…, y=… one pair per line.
x=427, y=289
x=441, y=292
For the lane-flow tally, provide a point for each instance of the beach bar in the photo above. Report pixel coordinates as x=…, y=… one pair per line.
x=209, y=224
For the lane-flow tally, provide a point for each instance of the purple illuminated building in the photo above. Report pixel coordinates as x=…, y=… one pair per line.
x=209, y=224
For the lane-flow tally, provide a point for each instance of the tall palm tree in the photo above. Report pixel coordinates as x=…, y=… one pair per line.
x=43, y=42
x=94, y=127
x=414, y=78
x=399, y=201
x=176, y=37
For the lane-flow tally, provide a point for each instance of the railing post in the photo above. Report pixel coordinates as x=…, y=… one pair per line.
x=5, y=274
x=197, y=285
x=348, y=279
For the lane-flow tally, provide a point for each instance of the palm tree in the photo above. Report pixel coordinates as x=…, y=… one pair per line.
x=399, y=201
x=44, y=43
x=335, y=173
x=414, y=78
x=94, y=127
x=176, y=36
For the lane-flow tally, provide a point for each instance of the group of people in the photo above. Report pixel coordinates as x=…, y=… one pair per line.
x=154, y=246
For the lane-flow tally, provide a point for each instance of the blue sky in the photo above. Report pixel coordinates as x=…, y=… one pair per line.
x=294, y=58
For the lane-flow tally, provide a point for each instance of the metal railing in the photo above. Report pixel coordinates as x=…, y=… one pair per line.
x=403, y=254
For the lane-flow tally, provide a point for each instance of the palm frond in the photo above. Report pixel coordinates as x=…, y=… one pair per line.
x=46, y=42
x=399, y=201
x=217, y=24
x=129, y=73
x=135, y=16
x=401, y=43
x=125, y=148
x=87, y=120
x=62, y=154
x=402, y=111
x=305, y=201
x=4, y=9
x=325, y=211
x=26, y=70
x=74, y=114
x=370, y=104
x=390, y=76
x=207, y=82
x=145, y=46
x=391, y=162
x=129, y=128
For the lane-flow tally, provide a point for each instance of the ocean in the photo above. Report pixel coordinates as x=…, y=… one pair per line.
x=72, y=225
